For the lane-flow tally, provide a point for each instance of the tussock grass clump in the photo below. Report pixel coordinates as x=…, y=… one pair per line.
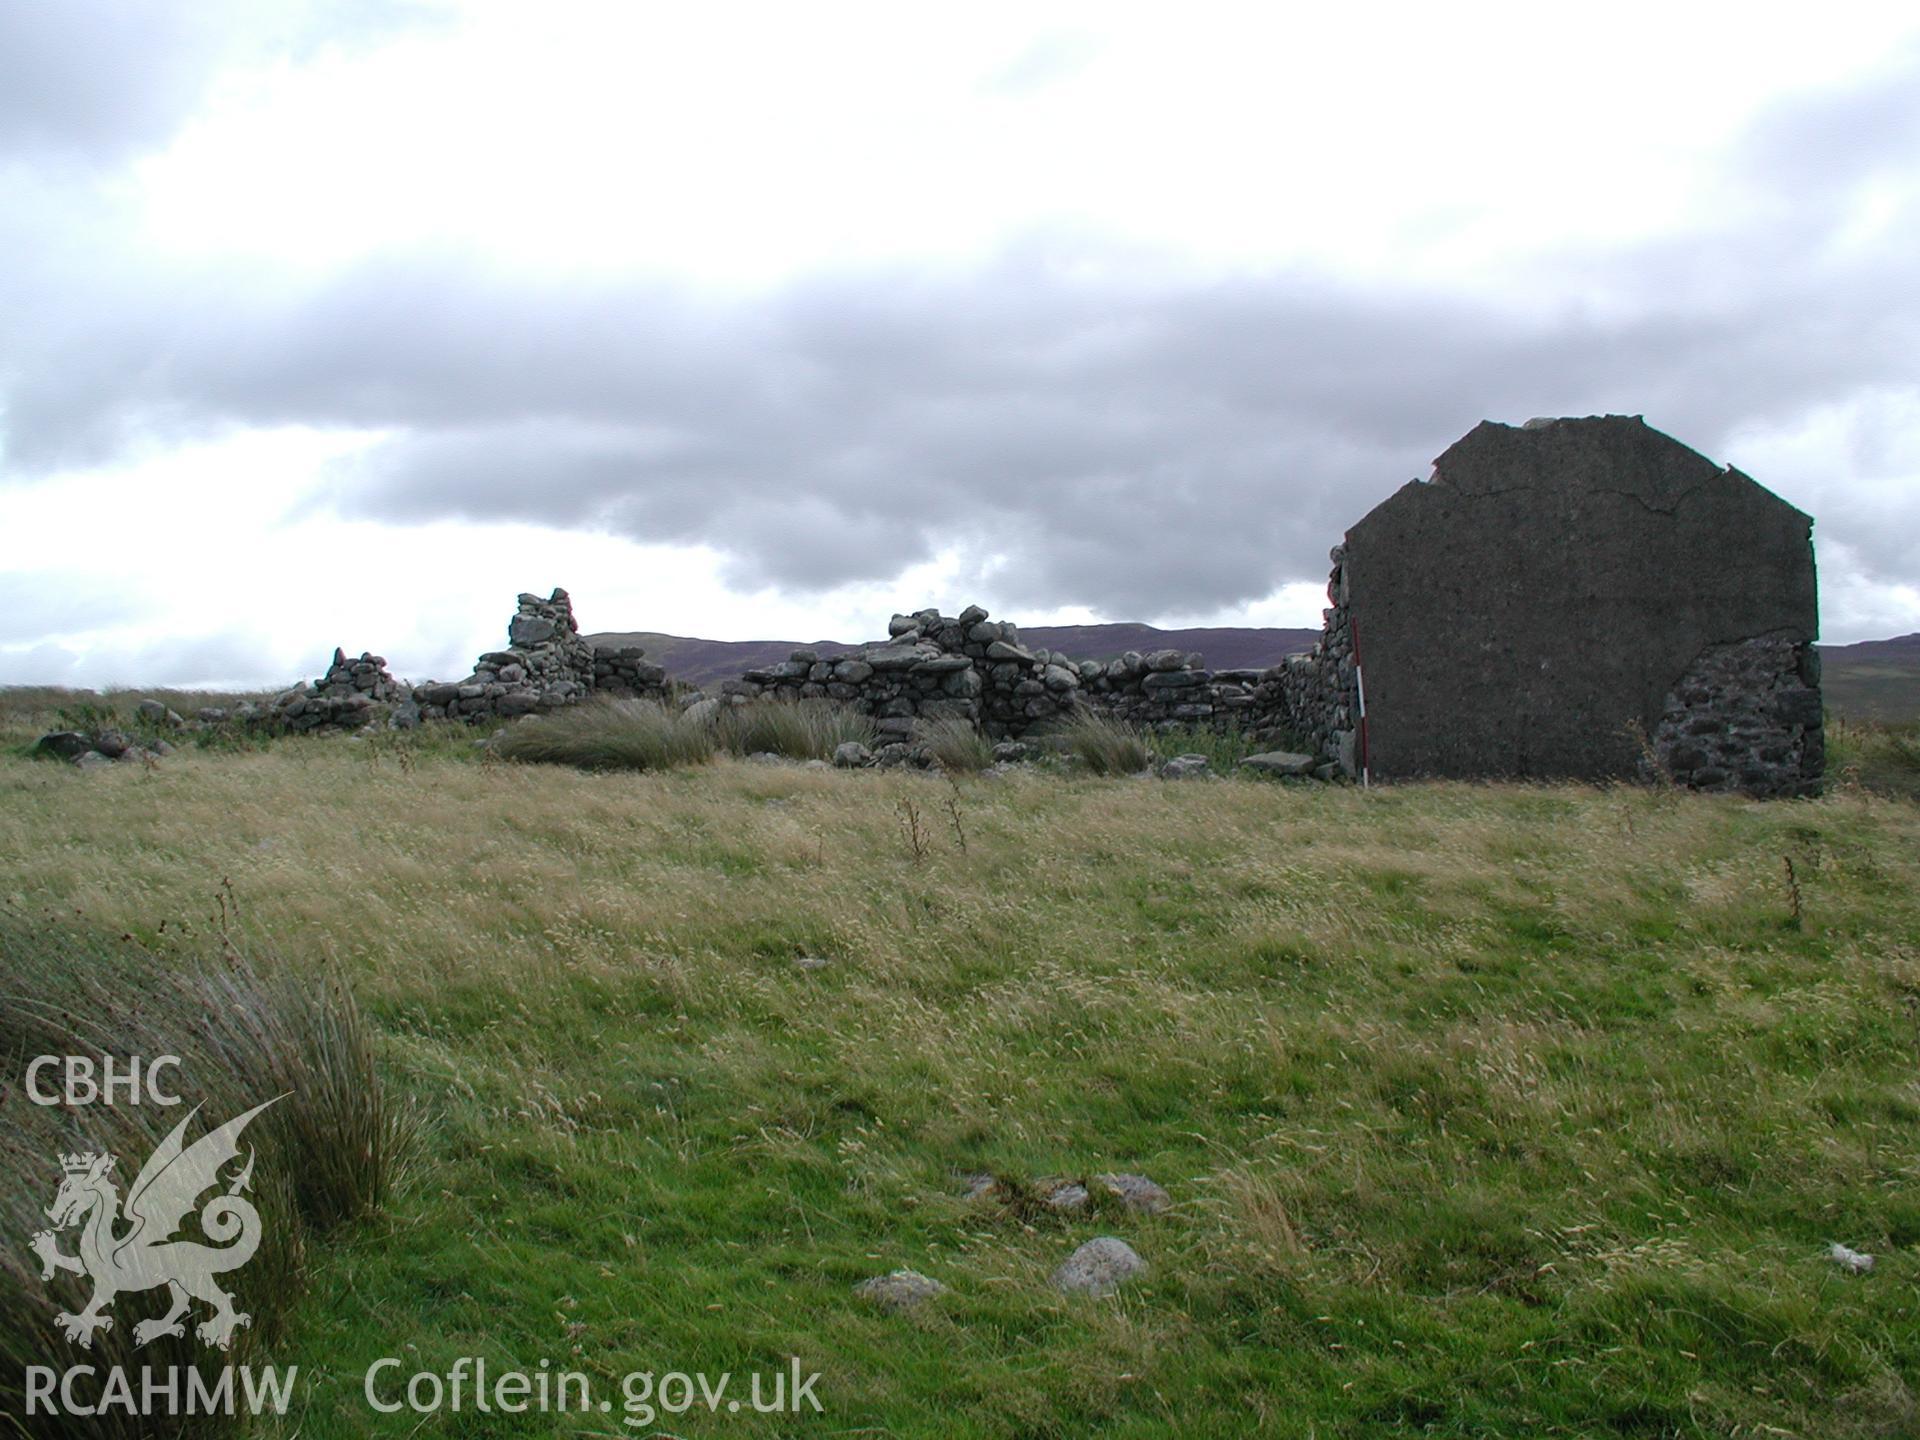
x=959, y=745
x=797, y=730
x=1104, y=745
x=329, y=1149
x=609, y=735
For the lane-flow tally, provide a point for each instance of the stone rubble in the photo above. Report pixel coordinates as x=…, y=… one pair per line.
x=930, y=667
x=343, y=699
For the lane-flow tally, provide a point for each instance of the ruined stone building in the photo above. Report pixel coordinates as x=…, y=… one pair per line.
x=1581, y=598
x=1569, y=599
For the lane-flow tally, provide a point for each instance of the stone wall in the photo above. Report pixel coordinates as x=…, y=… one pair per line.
x=1578, y=598
x=1316, y=693
x=626, y=671
x=969, y=667
x=546, y=665
x=348, y=696
x=1745, y=716
x=1558, y=596
x=930, y=667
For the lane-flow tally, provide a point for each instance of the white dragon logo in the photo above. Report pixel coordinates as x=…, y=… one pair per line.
x=146, y=1255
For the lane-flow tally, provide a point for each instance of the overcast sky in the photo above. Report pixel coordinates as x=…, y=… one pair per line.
x=342, y=324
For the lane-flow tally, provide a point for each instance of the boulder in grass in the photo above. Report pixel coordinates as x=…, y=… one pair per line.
x=900, y=1290
x=1099, y=1267
x=64, y=744
x=1136, y=1192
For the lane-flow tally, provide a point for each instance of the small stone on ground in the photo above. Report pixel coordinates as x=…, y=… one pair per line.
x=1098, y=1267
x=901, y=1290
x=1137, y=1192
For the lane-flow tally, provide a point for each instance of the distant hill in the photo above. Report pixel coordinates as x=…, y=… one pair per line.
x=707, y=662
x=1873, y=680
x=1226, y=648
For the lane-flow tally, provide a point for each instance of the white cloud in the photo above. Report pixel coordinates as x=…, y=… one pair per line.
x=977, y=296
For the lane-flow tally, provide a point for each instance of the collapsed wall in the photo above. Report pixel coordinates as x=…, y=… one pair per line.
x=1317, y=692
x=345, y=698
x=545, y=666
x=930, y=667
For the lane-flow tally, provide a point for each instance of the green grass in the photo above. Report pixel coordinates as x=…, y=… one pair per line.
x=1224, y=750
x=1486, y=1110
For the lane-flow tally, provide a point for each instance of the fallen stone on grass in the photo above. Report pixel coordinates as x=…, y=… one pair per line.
x=1099, y=1267
x=809, y=962
x=1067, y=1195
x=156, y=712
x=1850, y=1260
x=1186, y=767
x=1136, y=1192
x=900, y=1290
x=64, y=744
x=92, y=760
x=851, y=755
x=1286, y=763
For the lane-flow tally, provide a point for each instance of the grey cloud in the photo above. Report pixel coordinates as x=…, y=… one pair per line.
x=1140, y=448
x=230, y=659
x=92, y=79
x=52, y=602
x=1813, y=146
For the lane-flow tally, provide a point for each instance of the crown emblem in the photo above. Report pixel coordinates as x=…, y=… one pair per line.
x=78, y=1164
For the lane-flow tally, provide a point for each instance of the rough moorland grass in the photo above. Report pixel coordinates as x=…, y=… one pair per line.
x=959, y=745
x=330, y=1150
x=609, y=735
x=1486, y=1110
x=796, y=730
x=29, y=711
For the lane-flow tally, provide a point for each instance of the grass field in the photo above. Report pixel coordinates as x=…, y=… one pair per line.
x=1485, y=1110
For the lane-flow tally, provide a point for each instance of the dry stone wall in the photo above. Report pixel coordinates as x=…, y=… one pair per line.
x=1745, y=716
x=545, y=666
x=930, y=667
x=347, y=697
x=1316, y=693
